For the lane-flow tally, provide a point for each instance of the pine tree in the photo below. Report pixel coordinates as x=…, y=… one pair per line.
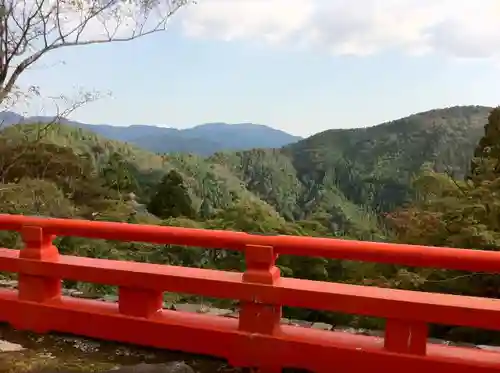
x=171, y=198
x=485, y=164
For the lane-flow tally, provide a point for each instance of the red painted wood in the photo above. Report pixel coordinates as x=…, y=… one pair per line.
x=412, y=255
x=406, y=336
x=257, y=338
x=38, y=246
x=257, y=316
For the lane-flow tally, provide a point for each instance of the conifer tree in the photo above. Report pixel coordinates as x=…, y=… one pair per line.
x=171, y=198
x=485, y=164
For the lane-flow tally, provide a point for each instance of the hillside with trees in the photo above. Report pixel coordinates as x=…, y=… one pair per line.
x=348, y=179
x=427, y=179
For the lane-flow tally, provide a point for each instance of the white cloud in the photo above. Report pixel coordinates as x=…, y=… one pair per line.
x=460, y=28
x=273, y=21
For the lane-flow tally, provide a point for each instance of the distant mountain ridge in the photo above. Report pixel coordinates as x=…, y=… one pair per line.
x=204, y=139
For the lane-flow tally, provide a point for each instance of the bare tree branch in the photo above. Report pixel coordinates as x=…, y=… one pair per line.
x=28, y=137
x=29, y=29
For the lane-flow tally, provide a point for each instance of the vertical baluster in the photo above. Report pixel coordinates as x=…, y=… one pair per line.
x=406, y=337
x=38, y=246
x=256, y=317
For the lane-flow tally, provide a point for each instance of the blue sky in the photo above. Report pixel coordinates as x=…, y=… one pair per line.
x=192, y=74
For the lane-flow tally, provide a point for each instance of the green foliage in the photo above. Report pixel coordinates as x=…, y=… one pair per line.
x=485, y=165
x=35, y=196
x=456, y=213
x=270, y=174
x=171, y=199
x=347, y=179
x=119, y=174
x=488, y=146
x=463, y=214
x=400, y=181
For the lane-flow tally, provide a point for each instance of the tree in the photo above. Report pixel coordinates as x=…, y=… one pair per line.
x=458, y=213
x=35, y=196
x=486, y=161
x=171, y=198
x=119, y=174
x=30, y=29
x=462, y=214
x=40, y=161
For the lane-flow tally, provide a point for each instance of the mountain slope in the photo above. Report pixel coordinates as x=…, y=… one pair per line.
x=204, y=139
x=374, y=164
x=349, y=177
x=344, y=179
x=205, y=180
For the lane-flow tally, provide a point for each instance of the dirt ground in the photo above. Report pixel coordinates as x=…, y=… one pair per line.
x=58, y=353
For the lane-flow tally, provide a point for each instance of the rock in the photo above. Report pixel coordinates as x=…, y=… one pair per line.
x=489, y=348
x=172, y=367
x=233, y=315
x=110, y=298
x=188, y=307
x=218, y=311
x=80, y=294
x=302, y=323
x=6, y=346
x=462, y=344
x=322, y=326
x=345, y=329
x=376, y=333
x=437, y=341
x=8, y=283
x=363, y=331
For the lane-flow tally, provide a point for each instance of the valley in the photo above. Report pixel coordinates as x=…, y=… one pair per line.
x=401, y=181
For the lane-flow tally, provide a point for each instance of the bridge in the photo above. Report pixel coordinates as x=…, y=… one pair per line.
x=256, y=338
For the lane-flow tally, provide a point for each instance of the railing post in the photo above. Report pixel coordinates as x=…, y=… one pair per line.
x=38, y=247
x=139, y=302
x=256, y=317
x=406, y=337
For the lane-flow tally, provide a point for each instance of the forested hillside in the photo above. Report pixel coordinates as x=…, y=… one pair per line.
x=373, y=165
x=348, y=178
x=401, y=181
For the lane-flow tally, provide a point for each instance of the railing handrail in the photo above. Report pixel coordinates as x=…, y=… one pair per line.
x=411, y=255
x=257, y=337
x=336, y=297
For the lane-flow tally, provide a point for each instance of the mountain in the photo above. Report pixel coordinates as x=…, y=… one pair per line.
x=348, y=178
x=204, y=179
x=344, y=179
x=385, y=157
x=337, y=183
x=204, y=139
x=210, y=138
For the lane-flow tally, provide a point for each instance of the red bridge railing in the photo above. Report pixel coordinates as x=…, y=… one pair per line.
x=256, y=338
